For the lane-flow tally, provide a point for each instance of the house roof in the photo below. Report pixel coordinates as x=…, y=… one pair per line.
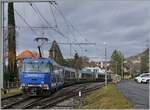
x=27, y=54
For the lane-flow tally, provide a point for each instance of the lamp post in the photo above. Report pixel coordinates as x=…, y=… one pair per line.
x=105, y=63
x=122, y=67
x=116, y=65
x=40, y=41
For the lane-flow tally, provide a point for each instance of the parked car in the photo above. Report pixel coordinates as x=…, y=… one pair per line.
x=143, y=78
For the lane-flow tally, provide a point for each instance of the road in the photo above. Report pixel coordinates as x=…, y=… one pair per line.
x=137, y=93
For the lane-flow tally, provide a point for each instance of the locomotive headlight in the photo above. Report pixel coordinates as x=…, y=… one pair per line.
x=42, y=82
x=45, y=86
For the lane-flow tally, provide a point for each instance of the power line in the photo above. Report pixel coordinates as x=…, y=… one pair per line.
x=54, y=3
x=25, y=21
x=35, y=11
x=53, y=28
x=51, y=9
x=68, y=23
x=65, y=20
x=42, y=15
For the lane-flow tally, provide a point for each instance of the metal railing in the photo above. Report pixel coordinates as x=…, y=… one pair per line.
x=9, y=85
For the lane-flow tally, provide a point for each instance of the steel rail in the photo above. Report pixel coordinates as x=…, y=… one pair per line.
x=54, y=97
x=67, y=96
x=15, y=103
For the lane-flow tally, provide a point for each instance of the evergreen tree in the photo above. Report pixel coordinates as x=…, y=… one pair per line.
x=116, y=62
x=12, y=66
x=56, y=54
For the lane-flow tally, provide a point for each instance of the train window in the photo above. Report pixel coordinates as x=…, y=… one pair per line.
x=95, y=70
x=31, y=68
x=89, y=70
x=58, y=79
x=42, y=68
x=53, y=78
x=51, y=68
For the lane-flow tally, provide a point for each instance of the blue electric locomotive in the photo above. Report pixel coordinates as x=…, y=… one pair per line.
x=41, y=76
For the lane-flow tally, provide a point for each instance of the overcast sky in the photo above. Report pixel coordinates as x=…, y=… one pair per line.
x=122, y=24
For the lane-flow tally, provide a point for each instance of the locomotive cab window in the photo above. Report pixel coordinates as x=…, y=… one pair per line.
x=38, y=68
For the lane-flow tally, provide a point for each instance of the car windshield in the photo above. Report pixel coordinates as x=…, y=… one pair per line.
x=42, y=68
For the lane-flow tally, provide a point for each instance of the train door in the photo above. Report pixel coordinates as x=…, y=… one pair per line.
x=53, y=78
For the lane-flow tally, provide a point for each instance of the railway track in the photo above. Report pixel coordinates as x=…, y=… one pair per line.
x=52, y=101
x=68, y=96
x=11, y=101
x=48, y=102
x=55, y=96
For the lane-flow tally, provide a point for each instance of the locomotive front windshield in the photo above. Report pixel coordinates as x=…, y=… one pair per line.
x=32, y=68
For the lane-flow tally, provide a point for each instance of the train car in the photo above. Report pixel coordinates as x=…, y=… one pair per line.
x=93, y=74
x=86, y=75
x=41, y=76
x=69, y=73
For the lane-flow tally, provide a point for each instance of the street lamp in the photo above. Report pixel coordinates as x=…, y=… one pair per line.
x=105, y=63
x=116, y=65
x=40, y=41
x=122, y=67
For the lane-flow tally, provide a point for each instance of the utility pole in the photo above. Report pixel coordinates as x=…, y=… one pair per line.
x=1, y=43
x=70, y=44
x=105, y=63
x=122, y=69
x=116, y=68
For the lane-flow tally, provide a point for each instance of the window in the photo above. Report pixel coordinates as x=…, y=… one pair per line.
x=95, y=70
x=89, y=70
x=42, y=68
x=145, y=75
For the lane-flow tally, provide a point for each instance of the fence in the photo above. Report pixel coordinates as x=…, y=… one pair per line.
x=9, y=84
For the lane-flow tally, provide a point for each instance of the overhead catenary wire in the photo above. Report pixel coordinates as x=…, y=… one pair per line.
x=61, y=13
x=25, y=21
x=50, y=6
x=36, y=11
x=51, y=9
x=53, y=28
x=67, y=22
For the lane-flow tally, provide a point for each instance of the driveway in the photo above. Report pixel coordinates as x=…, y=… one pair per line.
x=137, y=93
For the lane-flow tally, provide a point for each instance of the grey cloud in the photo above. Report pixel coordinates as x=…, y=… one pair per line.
x=122, y=24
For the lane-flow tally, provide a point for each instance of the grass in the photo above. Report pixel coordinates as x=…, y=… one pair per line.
x=11, y=92
x=106, y=98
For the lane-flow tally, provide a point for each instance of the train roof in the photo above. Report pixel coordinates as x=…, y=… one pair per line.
x=69, y=69
x=90, y=72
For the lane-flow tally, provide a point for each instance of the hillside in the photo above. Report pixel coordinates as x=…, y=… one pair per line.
x=138, y=63
x=136, y=57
